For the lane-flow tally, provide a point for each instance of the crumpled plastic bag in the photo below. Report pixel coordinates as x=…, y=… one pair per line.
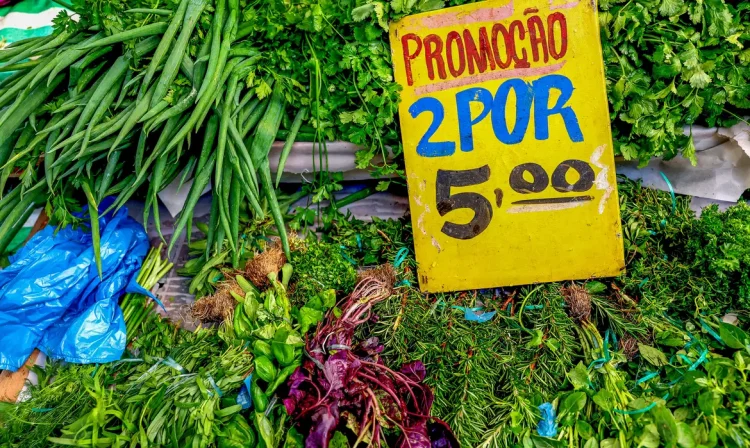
x=547, y=426
x=51, y=296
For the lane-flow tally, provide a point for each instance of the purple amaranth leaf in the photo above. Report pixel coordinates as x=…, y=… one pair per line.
x=296, y=394
x=335, y=370
x=324, y=422
x=425, y=398
x=371, y=346
x=414, y=370
x=414, y=436
x=441, y=435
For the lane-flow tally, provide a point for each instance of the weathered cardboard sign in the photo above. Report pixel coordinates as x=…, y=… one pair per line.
x=508, y=146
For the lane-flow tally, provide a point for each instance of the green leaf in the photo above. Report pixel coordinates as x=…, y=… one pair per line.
x=369, y=9
x=649, y=438
x=309, y=317
x=666, y=425
x=573, y=403
x=689, y=151
x=733, y=336
x=579, y=377
x=652, y=355
x=294, y=439
x=329, y=298
x=604, y=399
x=363, y=158
x=264, y=427
x=263, y=89
x=536, y=339
x=671, y=8
x=552, y=344
x=596, y=287
x=383, y=185
x=699, y=79
x=546, y=442
x=670, y=338
x=338, y=441
x=709, y=402
x=591, y=443
x=584, y=429
x=685, y=438
x=95, y=236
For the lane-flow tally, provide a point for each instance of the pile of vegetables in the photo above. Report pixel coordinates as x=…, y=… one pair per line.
x=647, y=359
x=133, y=96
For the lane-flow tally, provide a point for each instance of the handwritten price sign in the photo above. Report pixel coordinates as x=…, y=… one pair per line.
x=507, y=143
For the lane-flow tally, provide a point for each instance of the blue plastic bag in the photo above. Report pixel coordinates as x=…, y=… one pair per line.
x=547, y=426
x=51, y=296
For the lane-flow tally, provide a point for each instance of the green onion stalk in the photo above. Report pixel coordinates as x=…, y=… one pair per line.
x=137, y=307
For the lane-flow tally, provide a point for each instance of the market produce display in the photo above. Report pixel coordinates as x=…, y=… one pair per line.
x=322, y=339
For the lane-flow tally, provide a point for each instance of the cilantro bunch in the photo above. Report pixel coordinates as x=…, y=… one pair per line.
x=670, y=64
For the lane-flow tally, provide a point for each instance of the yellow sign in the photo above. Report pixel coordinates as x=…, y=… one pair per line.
x=507, y=142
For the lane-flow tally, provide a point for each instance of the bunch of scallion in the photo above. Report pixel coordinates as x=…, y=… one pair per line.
x=106, y=107
x=137, y=307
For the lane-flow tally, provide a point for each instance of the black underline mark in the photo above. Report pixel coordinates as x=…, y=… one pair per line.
x=554, y=200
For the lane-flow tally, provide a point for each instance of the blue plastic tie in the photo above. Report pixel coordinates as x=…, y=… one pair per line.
x=643, y=283
x=400, y=257
x=671, y=192
x=711, y=331
x=647, y=377
x=42, y=410
x=359, y=242
x=245, y=398
x=475, y=316
x=403, y=282
x=345, y=256
x=213, y=384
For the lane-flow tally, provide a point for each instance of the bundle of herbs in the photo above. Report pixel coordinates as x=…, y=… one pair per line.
x=345, y=386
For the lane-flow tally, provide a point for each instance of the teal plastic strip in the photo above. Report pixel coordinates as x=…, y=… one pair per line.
x=642, y=410
x=15, y=34
x=215, y=387
x=711, y=331
x=400, y=257
x=345, y=256
x=671, y=191
x=647, y=377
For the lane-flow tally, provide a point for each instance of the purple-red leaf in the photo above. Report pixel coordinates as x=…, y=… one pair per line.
x=414, y=436
x=414, y=370
x=335, y=369
x=441, y=435
x=324, y=422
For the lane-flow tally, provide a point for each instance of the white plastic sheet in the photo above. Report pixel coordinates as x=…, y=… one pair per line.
x=721, y=175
